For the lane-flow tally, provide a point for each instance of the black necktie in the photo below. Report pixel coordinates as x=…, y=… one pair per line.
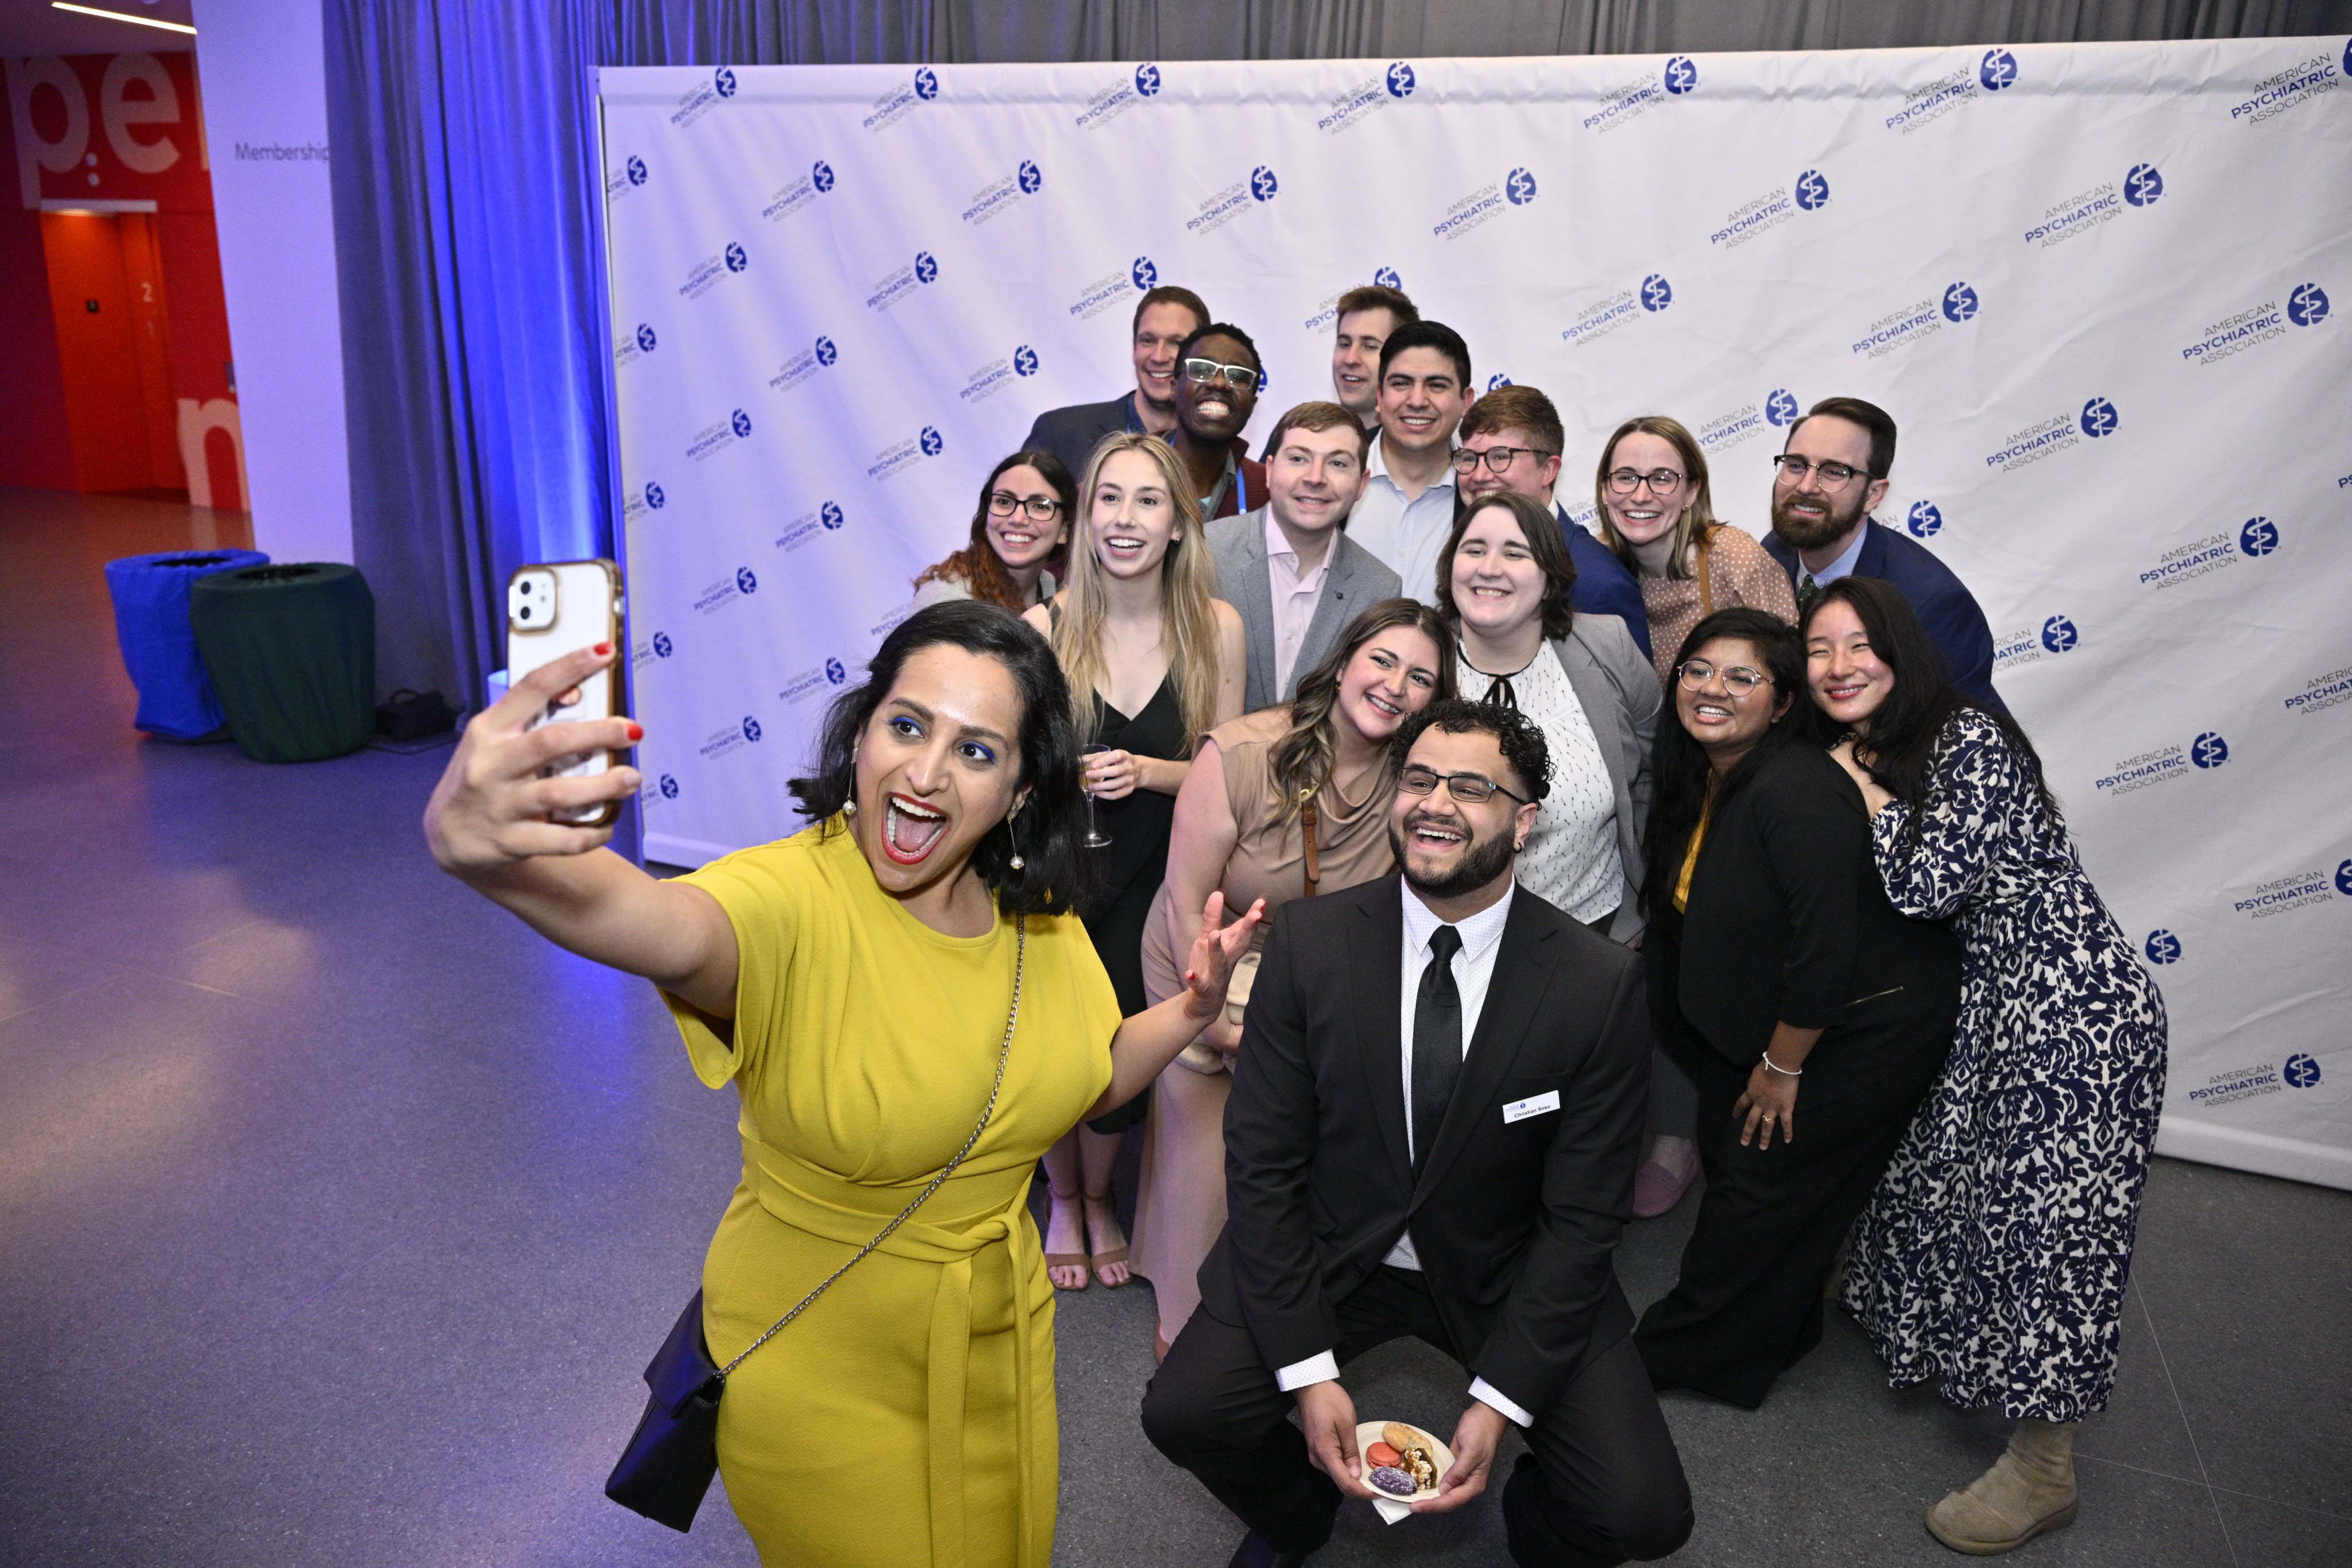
x=1807, y=591
x=1436, y=1041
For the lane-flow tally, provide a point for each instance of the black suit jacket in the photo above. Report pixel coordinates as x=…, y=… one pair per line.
x=1954, y=621
x=1790, y=922
x=1070, y=433
x=1515, y=1224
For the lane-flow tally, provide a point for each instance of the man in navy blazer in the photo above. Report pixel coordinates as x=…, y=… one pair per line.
x=1517, y=426
x=1833, y=470
x=1164, y=318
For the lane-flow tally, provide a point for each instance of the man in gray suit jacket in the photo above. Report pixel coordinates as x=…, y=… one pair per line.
x=1286, y=567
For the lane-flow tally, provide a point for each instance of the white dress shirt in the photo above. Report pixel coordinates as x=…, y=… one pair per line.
x=1293, y=597
x=1473, y=968
x=1404, y=535
x=1842, y=565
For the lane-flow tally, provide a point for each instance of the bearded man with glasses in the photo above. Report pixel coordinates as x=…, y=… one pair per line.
x=1430, y=1134
x=1832, y=471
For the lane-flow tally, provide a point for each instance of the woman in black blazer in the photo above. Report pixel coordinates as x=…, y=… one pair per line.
x=1774, y=955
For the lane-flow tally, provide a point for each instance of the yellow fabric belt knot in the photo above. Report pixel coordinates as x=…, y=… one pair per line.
x=822, y=1203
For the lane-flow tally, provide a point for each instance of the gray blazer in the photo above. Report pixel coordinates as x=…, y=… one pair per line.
x=1622, y=698
x=1357, y=578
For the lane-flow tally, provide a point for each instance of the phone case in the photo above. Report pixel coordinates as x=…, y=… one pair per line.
x=586, y=611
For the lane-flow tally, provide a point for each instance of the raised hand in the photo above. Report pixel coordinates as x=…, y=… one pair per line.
x=491, y=809
x=1214, y=952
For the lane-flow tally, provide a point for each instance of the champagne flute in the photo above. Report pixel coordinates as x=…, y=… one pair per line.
x=1096, y=838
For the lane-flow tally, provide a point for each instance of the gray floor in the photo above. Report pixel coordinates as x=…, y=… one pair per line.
x=337, y=1216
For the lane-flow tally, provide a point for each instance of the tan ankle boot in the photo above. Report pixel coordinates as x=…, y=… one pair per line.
x=2029, y=1491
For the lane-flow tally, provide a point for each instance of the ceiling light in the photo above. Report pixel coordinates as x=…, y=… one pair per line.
x=124, y=16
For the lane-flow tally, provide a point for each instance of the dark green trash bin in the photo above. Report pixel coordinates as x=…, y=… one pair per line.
x=291, y=652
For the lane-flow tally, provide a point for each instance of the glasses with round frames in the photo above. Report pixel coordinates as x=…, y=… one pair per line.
x=1496, y=458
x=1661, y=481
x=1470, y=789
x=1738, y=679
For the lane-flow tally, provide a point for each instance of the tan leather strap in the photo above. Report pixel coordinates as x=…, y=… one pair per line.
x=1314, y=861
x=1706, y=584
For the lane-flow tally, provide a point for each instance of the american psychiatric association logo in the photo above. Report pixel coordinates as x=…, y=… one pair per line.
x=746, y=580
x=2293, y=88
x=1147, y=80
x=811, y=527
x=1657, y=292
x=1998, y=70
x=1519, y=187
x=825, y=352
x=1143, y=272
x=663, y=646
x=1024, y=360
x=1388, y=277
x=900, y=455
x=2259, y=537
x=2209, y=750
x=1263, y=185
x=1780, y=409
x=669, y=787
x=2143, y=186
x=927, y=83
x=933, y=442
x=797, y=194
x=1748, y=420
x=1925, y=521
x=741, y=424
x=2306, y=306
x=2099, y=418
x=2162, y=948
x=636, y=170
x=836, y=671
x=1682, y=74
x=654, y=500
x=752, y=731
x=737, y=261
x=1813, y=191
x=900, y=101
x=1224, y=205
x=2300, y=1071
x=645, y=338
x=1497, y=381
x=715, y=439
x=1029, y=178
x=1626, y=102
x=723, y=79
x=999, y=197
x=821, y=176
x=2060, y=636
x=831, y=514
x=800, y=366
x=1960, y=303
x=1400, y=80
x=927, y=268
x=1360, y=100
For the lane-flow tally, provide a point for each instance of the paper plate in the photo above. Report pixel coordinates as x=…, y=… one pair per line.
x=1368, y=1432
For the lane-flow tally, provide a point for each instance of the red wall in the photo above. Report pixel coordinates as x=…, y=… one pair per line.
x=94, y=401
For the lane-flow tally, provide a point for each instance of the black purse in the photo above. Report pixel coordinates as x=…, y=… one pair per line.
x=665, y=1470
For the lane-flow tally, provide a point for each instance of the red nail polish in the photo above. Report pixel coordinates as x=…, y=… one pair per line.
x=602, y=649
x=637, y=732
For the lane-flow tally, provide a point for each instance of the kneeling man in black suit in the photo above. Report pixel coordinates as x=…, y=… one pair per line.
x=1433, y=1132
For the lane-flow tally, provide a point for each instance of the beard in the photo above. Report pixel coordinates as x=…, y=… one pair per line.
x=1804, y=533
x=1482, y=861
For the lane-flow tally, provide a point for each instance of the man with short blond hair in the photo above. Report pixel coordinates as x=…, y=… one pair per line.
x=1512, y=440
x=1286, y=567
x=1363, y=321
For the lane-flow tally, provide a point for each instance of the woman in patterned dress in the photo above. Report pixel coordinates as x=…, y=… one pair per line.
x=1994, y=1254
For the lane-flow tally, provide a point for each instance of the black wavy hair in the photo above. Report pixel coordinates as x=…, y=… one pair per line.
x=1679, y=768
x=1056, y=872
x=1434, y=335
x=1522, y=742
x=1904, y=731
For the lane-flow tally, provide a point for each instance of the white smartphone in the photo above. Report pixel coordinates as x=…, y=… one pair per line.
x=556, y=608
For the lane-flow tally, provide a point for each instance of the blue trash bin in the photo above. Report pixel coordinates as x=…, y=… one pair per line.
x=159, y=649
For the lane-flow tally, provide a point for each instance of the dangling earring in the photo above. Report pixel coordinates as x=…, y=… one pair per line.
x=1016, y=863
x=849, y=808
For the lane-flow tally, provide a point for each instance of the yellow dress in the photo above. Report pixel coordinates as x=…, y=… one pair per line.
x=906, y=1417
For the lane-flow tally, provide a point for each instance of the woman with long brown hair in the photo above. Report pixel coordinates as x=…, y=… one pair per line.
x=1153, y=659
x=1283, y=803
x=1018, y=530
x=1656, y=511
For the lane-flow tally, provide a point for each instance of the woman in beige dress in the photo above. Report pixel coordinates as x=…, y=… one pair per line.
x=1655, y=512
x=1258, y=787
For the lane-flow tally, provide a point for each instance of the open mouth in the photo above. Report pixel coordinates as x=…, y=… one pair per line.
x=1213, y=407
x=1710, y=713
x=1016, y=538
x=910, y=829
x=1417, y=423
x=1382, y=706
x=1807, y=508
x=1845, y=694
x=1435, y=836
x=1490, y=590
x=1122, y=547
x=1633, y=515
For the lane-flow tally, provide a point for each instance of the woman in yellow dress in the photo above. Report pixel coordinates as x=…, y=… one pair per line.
x=853, y=982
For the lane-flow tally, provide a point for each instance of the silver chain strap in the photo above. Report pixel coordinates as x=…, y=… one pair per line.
x=1004, y=1054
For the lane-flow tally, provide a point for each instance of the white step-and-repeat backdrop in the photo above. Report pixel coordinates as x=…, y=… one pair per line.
x=2104, y=288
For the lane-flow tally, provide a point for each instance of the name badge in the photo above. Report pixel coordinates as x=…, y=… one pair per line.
x=1520, y=1109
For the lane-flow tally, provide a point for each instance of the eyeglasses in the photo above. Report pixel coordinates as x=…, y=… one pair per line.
x=1496, y=458
x=1794, y=468
x=1739, y=679
x=1662, y=481
x=1241, y=378
x=1470, y=789
x=1041, y=508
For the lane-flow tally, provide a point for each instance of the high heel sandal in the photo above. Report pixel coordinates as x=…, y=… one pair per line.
x=1077, y=1260
x=1097, y=1261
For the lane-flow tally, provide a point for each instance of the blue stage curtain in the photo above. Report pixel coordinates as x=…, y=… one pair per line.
x=467, y=214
